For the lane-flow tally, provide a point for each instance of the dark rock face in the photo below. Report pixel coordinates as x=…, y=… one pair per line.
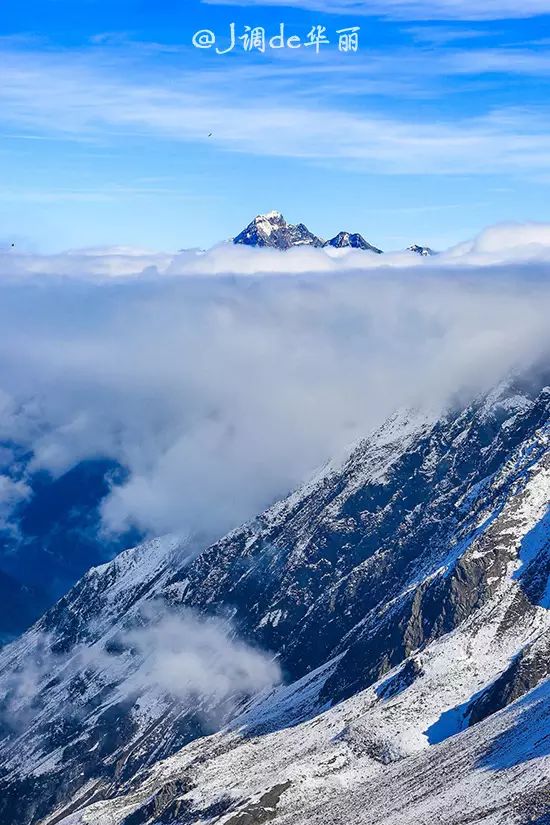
x=262, y=811
x=404, y=678
x=527, y=671
x=273, y=231
x=355, y=241
x=368, y=563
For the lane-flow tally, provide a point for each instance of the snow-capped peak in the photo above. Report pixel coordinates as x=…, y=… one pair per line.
x=267, y=223
x=273, y=231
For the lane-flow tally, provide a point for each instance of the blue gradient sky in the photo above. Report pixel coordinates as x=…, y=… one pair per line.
x=439, y=125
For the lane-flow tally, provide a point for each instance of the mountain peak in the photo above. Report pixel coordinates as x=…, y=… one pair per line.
x=271, y=218
x=352, y=240
x=273, y=231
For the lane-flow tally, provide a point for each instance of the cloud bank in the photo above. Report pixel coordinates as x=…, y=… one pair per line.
x=222, y=380
x=500, y=245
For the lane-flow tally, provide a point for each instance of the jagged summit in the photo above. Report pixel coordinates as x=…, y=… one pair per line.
x=424, y=251
x=273, y=231
x=353, y=240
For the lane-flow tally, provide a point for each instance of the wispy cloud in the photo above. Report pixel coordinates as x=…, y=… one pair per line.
x=183, y=656
x=441, y=35
x=79, y=99
x=412, y=9
x=104, y=194
x=509, y=61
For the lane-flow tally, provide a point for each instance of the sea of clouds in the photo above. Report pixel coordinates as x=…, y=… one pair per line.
x=222, y=379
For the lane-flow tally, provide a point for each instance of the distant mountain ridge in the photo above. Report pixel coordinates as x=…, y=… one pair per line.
x=271, y=230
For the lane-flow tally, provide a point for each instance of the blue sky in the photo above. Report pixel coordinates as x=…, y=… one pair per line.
x=439, y=124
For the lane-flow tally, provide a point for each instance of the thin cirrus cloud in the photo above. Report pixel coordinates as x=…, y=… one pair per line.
x=43, y=94
x=412, y=9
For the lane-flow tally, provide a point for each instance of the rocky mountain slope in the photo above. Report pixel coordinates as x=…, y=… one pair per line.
x=405, y=594
x=271, y=230
x=332, y=769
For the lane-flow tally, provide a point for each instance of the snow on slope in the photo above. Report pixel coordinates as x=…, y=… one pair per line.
x=377, y=757
x=403, y=581
x=496, y=773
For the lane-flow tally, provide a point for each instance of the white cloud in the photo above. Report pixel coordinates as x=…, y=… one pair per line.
x=107, y=262
x=513, y=242
x=188, y=655
x=12, y=492
x=198, y=660
x=222, y=380
x=501, y=244
x=413, y=9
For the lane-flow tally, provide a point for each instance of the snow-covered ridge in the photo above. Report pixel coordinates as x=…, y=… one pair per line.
x=357, y=750
x=271, y=230
x=404, y=591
